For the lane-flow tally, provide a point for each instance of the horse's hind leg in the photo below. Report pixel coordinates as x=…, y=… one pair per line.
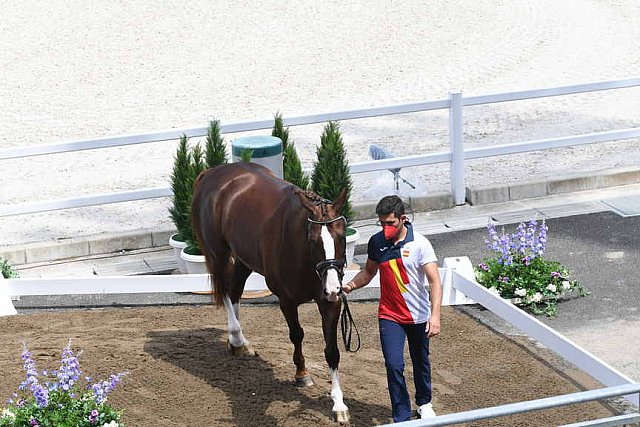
x=237, y=344
x=296, y=335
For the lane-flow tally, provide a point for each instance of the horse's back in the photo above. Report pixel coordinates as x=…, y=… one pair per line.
x=239, y=185
x=242, y=204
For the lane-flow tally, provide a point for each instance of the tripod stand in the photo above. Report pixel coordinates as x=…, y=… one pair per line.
x=379, y=153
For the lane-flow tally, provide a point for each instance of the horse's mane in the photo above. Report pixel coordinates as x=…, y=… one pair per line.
x=316, y=199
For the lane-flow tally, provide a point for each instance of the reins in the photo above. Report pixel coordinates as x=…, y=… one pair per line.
x=347, y=325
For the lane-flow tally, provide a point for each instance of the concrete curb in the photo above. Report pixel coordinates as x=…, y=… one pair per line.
x=35, y=303
x=143, y=239
x=561, y=185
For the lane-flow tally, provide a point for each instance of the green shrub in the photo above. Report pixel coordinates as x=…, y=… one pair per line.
x=7, y=271
x=215, y=147
x=195, y=168
x=187, y=165
x=331, y=170
x=180, y=210
x=246, y=154
x=292, y=167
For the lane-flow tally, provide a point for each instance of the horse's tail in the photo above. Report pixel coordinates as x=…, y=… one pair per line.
x=203, y=227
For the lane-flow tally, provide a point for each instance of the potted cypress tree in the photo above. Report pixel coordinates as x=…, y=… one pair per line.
x=180, y=210
x=331, y=174
x=214, y=154
x=292, y=168
x=191, y=254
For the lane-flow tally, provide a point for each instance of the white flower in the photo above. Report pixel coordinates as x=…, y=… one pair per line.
x=516, y=301
x=537, y=297
x=566, y=285
x=521, y=292
x=494, y=291
x=111, y=424
x=551, y=287
x=8, y=414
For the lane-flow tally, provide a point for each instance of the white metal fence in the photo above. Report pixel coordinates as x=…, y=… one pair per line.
x=456, y=156
x=536, y=405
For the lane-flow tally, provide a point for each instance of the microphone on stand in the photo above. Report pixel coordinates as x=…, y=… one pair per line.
x=379, y=153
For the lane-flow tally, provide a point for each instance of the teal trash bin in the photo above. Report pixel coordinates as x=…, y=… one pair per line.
x=266, y=150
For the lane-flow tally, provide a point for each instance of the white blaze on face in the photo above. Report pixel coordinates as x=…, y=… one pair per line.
x=332, y=284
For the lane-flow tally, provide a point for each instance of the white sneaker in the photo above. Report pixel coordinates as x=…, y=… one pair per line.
x=426, y=411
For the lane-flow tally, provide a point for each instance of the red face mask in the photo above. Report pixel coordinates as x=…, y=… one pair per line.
x=390, y=232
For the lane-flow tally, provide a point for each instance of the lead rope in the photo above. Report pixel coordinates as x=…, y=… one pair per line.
x=347, y=325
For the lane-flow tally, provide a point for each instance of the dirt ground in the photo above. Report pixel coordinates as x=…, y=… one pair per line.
x=182, y=375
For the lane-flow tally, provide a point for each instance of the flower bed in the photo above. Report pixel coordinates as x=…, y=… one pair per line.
x=57, y=398
x=519, y=272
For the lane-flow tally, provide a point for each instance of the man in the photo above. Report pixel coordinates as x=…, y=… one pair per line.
x=407, y=311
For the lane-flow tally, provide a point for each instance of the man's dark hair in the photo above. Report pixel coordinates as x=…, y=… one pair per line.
x=390, y=205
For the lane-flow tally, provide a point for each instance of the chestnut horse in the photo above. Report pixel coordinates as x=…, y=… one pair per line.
x=246, y=219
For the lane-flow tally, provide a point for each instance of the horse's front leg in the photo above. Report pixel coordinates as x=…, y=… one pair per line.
x=330, y=312
x=296, y=335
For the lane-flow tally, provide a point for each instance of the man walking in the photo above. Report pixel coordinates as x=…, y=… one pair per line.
x=407, y=311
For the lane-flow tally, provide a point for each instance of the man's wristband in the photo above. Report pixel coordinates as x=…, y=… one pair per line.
x=352, y=286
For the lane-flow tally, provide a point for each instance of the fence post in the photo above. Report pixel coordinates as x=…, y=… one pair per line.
x=457, y=149
x=6, y=304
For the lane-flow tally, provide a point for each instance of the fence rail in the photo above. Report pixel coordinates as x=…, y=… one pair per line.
x=455, y=157
x=535, y=405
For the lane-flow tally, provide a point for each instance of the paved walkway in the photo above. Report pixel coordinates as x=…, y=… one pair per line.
x=587, y=233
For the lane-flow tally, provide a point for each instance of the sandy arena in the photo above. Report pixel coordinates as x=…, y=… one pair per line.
x=79, y=69
x=182, y=375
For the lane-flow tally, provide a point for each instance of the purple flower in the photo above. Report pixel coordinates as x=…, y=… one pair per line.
x=69, y=371
x=33, y=422
x=484, y=266
x=103, y=388
x=93, y=416
x=555, y=274
x=40, y=393
x=528, y=241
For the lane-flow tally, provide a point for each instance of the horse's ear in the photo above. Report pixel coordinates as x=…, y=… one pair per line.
x=304, y=199
x=339, y=202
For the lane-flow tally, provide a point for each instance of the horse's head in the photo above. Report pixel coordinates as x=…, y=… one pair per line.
x=326, y=237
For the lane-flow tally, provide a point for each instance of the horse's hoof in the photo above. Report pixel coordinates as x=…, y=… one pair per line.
x=243, y=350
x=305, y=381
x=341, y=417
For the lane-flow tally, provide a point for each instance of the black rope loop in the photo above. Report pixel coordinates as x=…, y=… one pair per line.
x=347, y=325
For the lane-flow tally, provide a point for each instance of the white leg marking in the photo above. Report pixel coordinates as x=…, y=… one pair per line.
x=336, y=392
x=236, y=338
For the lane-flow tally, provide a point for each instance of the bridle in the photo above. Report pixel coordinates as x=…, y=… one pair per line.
x=347, y=325
x=325, y=265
